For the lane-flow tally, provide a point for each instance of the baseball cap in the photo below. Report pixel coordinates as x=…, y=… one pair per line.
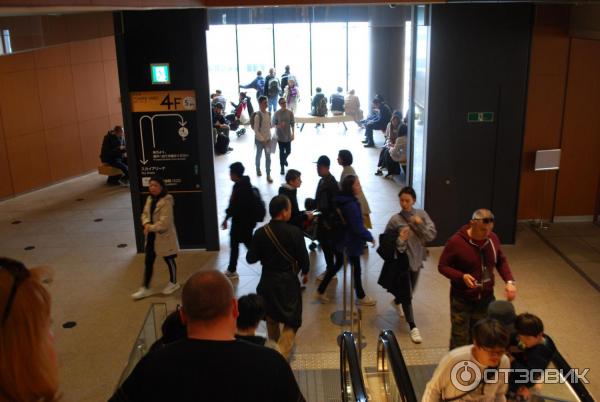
x=323, y=161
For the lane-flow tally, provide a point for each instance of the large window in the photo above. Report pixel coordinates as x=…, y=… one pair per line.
x=328, y=56
x=255, y=49
x=358, y=55
x=222, y=66
x=292, y=48
x=324, y=54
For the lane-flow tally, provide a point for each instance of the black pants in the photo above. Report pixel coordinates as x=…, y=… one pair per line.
x=235, y=252
x=332, y=257
x=120, y=164
x=332, y=271
x=151, y=257
x=407, y=302
x=285, y=149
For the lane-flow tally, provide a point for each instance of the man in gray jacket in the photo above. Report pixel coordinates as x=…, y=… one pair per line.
x=261, y=124
x=284, y=123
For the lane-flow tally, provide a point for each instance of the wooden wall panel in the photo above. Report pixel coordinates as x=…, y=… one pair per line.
x=90, y=91
x=545, y=100
x=28, y=161
x=20, y=103
x=6, y=187
x=57, y=96
x=56, y=104
x=91, y=133
x=64, y=151
x=580, y=167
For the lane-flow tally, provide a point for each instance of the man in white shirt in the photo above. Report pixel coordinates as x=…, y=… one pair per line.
x=261, y=124
x=470, y=373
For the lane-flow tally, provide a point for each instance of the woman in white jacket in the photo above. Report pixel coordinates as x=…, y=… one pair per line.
x=161, y=237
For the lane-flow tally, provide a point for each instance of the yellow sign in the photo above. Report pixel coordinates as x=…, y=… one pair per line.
x=163, y=101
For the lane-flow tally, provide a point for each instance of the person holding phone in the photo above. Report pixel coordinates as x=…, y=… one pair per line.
x=414, y=228
x=468, y=260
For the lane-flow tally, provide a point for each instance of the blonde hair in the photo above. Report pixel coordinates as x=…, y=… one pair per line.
x=27, y=357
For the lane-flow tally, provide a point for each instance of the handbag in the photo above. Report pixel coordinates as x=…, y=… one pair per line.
x=387, y=246
x=273, y=143
x=293, y=262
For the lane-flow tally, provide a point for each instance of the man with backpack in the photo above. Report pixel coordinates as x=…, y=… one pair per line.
x=243, y=197
x=319, y=105
x=272, y=89
x=261, y=124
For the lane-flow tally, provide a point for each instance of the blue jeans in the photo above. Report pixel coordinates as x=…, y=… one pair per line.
x=120, y=164
x=273, y=103
x=259, y=150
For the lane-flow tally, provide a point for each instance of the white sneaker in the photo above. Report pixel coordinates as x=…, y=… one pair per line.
x=397, y=307
x=141, y=293
x=415, y=335
x=170, y=288
x=366, y=301
x=231, y=275
x=321, y=297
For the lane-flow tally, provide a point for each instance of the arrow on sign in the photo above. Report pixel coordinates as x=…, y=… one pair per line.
x=181, y=122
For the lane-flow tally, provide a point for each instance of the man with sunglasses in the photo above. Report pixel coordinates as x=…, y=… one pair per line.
x=468, y=260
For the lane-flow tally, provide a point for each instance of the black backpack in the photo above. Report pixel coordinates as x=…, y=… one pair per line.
x=274, y=88
x=258, y=206
x=222, y=144
x=321, y=109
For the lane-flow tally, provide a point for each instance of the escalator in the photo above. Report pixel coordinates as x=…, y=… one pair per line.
x=392, y=379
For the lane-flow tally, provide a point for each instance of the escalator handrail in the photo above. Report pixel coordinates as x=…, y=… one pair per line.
x=399, y=369
x=561, y=364
x=349, y=353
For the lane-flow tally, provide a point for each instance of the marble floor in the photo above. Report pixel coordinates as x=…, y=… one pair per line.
x=75, y=227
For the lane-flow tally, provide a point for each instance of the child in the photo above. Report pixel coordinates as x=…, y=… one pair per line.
x=251, y=308
x=536, y=353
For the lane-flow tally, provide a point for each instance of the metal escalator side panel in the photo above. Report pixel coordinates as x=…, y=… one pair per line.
x=351, y=378
x=389, y=359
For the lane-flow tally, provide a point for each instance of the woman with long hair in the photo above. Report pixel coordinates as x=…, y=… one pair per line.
x=291, y=94
x=350, y=240
x=161, y=237
x=414, y=229
x=27, y=357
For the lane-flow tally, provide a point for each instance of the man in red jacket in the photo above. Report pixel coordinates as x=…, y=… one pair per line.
x=468, y=260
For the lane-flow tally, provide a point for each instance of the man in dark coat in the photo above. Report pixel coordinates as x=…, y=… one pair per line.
x=242, y=222
x=114, y=152
x=327, y=189
x=282, y=253
x=378, y=122
x=293, y=181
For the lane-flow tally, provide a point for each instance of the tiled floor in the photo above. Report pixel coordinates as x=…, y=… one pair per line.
x=94, y=279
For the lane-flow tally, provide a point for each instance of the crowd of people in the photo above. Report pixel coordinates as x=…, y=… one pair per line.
x=215, y=327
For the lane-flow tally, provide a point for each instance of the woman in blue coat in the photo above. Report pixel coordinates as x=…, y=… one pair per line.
x=351, y=237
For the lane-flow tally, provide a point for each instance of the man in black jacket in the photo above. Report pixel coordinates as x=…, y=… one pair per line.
x=114, y=153
x=242, y=222
x=378, y=122
x=327, y=189
x=282, y=253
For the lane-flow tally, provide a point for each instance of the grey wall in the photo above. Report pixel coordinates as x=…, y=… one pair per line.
x=478, y=62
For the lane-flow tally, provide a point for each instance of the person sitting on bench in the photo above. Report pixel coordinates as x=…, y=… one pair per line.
x=337, y=102
x=319, y=105
x=114, y=153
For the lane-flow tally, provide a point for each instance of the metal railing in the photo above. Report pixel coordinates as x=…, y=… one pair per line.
x=352, y=382
x=149, y=333
x=392, y=367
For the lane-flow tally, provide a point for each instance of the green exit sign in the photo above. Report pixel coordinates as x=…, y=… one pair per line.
x=480, y=117
x=160, y=73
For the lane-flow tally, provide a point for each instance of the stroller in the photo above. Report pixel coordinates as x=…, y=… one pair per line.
x=234, y=118
x=310, y=227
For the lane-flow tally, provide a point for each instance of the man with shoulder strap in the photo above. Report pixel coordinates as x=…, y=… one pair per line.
x=280, y=248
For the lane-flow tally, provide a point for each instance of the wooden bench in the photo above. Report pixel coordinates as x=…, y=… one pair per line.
x=107, y=170
x=324, y=119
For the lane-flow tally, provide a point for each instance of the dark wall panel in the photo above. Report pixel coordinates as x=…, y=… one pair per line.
x=177, y=37
x=479, y=59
